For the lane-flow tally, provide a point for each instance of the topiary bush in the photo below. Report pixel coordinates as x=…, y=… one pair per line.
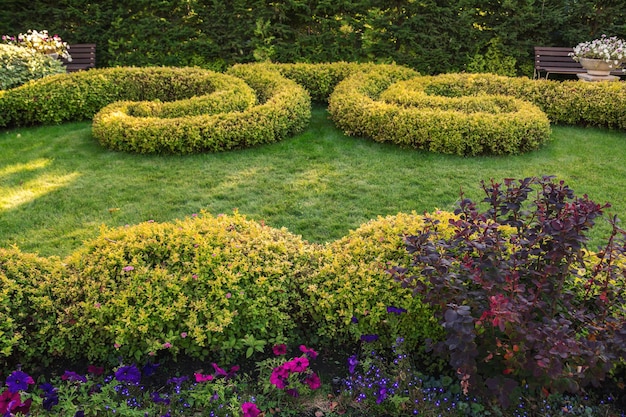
x=203, y=287
x=462, y=114
x=412, y=113
x=80, y=95
x=523, y=304
x=350, y=296
x=21, y=65
x=29, y=305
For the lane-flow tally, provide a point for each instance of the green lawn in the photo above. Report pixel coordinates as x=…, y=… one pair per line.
x=58, y=185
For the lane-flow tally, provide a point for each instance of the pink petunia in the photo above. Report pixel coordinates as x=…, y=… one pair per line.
x=219, y=371
x=202, y=378
x=313, y=381
x=297, y=364
x=309, y=352
x=250, y=410
x=279, y=376
x=280, y=349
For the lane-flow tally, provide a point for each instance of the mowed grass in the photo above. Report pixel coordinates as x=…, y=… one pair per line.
x=58, y=186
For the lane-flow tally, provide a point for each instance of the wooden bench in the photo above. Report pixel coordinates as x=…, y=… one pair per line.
x=556, y=60
x=83, y=57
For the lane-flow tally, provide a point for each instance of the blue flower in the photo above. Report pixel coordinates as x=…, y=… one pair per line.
x=156, y=398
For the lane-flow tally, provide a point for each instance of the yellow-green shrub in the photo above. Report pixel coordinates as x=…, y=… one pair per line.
x=80, y=95
x=568, y=102
x=406, y=113
x=195, y=287
x=29, y=305
x=352, y=282
x=320, y=80
x=284, y=109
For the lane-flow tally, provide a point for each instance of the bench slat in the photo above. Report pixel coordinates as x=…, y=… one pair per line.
x=83, y=57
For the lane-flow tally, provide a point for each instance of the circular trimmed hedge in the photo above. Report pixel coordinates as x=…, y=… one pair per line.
x=188, y=110
x=224, y=120
x=414, y=113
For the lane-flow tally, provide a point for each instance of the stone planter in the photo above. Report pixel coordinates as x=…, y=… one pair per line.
x=598, y=67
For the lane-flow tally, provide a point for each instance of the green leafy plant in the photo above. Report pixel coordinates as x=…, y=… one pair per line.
x=20, y=65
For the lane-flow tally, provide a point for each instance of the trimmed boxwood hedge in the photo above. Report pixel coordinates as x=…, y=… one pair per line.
x=199, y=286
x=454, y=113
x=404, y=113
x=284, y=109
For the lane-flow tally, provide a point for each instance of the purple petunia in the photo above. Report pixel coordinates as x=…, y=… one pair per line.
x=352, y=363
x=381, y=395
x=368, y=338
x=149, y=369
x=250, y=410
x=280, y=349
x=19, y=381
x=177, y=381
x=73, y=377
x=128, y=374
x=396, y=310
x=156, y=398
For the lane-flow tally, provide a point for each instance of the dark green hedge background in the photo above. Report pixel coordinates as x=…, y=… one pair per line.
x=431, y=36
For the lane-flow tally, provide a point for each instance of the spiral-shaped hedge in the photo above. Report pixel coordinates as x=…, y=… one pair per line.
x=190, y=110
x=409, y=113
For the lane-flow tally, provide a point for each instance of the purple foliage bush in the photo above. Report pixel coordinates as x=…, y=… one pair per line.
x=522, y=301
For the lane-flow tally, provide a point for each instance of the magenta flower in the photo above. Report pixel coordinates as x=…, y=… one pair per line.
x=95, y=370
x=219, y=371
x=280, y=349
x=313, y=381
x=297, y=364
x=19, y=381
x=250, y=410
x=8, y=401
x=167, y=345
x=128, y=268
x=279, y=376
x=202, y=378
x=309, y=352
